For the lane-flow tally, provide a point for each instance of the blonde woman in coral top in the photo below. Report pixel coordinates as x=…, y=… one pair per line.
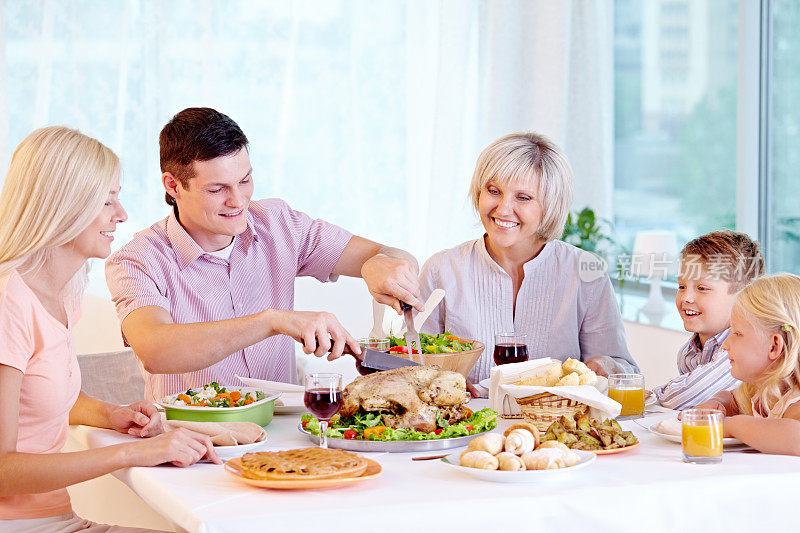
x=59, y=207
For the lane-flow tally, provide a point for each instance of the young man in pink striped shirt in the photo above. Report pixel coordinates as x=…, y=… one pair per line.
x=208, y=292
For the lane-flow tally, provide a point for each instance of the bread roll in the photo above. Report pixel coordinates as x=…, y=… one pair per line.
x=553, y=444
x=550, y=458
x=479, y=459
x=520, y=441
x=571, y=458
x=545, y=375
x=543, y=459
x=573, y=365
x=491, y=443
x=589, y=378
x=509, y=461
x=569, y=380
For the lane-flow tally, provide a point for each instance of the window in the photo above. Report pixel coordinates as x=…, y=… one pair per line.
x=675, y=73
x=782, y=220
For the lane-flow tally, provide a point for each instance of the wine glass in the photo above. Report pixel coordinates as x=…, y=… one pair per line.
x=373, y=343
x=323, y=398
x=510, y=348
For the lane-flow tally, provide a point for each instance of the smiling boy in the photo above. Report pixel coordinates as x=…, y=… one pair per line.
x=714, y=267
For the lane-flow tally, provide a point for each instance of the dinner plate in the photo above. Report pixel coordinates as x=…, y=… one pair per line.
x=393, y=446
x=234, y=468
x=520, y=476
x=727, y=441
x=290, y=409
x=229, y=452
x=615, y=450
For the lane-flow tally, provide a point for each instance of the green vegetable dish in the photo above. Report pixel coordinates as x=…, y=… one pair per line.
x=442, y=343
x=369, y=426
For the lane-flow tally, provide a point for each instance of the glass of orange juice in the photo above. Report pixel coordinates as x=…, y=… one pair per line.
x=628, y=390
x=702, y=435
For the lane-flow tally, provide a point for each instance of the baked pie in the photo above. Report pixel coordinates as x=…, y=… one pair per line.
x=305, y=463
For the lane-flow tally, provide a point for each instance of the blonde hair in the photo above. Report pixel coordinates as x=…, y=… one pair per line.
x=526, y=158
x=56, y=185
x=772, y=305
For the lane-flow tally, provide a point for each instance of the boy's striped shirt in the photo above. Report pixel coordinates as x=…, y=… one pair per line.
x=703, y=373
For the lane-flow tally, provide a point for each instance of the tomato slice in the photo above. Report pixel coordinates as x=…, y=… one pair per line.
x=400, y=349
x=351, y=434
x=469, y=427
x=438, y=431
x=305, y=423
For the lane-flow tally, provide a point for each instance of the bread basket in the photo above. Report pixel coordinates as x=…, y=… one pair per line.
x=545, y=408
x=461, y=362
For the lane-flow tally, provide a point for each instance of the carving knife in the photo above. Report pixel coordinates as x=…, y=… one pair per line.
x=383, y=361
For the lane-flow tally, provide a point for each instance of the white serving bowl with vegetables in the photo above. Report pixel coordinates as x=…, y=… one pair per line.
x=218, y=403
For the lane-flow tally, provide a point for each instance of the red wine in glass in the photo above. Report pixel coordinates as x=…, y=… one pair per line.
x=510, y=353
x=323, y=403
x=323, y=398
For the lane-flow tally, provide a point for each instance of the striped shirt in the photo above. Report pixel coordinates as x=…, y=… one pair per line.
x=703, y=373
x=165, y=267
x=561, y=315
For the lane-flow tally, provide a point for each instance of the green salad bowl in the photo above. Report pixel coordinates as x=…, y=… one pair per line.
x=259, y=412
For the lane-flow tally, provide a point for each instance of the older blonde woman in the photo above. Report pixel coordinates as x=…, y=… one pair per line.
x=58, y=208
x=518, y=276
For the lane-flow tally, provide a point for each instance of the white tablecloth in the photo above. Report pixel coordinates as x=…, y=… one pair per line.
x=645, y=489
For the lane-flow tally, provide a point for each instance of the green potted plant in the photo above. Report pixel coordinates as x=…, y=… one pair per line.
x=589, y=232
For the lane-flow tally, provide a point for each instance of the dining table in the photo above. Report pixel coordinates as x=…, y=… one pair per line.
x=646, y=488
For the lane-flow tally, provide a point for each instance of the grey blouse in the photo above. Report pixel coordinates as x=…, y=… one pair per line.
x=562, y=315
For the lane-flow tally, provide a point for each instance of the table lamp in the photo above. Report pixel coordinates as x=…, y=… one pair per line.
x=655, y=256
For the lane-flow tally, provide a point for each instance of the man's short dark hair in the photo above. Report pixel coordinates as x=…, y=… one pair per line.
x=197, y=134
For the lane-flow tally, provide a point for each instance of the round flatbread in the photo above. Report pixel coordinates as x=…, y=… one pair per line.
x=305, y=463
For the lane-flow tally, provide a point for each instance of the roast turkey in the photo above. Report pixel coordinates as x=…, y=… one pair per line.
x=409, y=397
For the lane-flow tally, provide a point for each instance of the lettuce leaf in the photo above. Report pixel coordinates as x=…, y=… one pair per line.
x=480, y=422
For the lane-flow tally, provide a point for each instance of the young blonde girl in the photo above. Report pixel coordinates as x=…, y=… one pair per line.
x=764, y=350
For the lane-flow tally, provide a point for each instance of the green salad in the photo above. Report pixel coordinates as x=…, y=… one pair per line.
x=442, y=343
x=369, y=426
x=214, y=395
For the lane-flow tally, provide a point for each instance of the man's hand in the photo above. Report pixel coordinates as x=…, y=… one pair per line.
x=315, y=331
x=390, y=279
x=140, y=419
x=603, y=365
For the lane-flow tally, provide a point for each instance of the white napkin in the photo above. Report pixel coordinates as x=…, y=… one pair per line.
x=511, y=373
x=277, y=386
x=600, y=405
x=291, y=394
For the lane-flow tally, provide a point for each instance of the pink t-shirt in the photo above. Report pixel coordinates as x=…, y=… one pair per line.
x=34, y=342
x=165, y=267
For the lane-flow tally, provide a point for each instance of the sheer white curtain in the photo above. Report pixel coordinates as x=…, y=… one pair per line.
x=480, y=70
x=368, y=114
